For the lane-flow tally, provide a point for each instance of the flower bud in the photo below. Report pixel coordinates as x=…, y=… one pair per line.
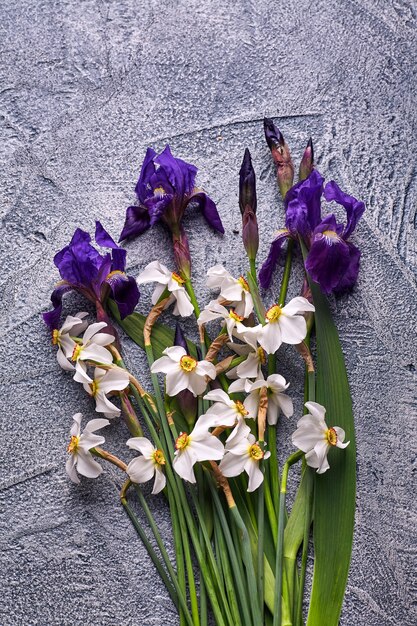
x=248, y=204
x=307, y=162
x=182, y=252
x=179, y=339
x=281, y=156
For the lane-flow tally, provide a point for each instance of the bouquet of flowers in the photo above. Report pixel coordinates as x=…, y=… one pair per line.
x=203, y=425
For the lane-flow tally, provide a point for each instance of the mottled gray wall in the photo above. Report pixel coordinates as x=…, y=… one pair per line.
x=85, y=87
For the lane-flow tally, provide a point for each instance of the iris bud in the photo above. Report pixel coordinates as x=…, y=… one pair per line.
x=248, y=204
x=307, y=162
x=281, y=156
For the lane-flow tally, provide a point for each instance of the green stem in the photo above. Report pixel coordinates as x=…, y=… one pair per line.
x=286, y=274
x=257, y=302
x=261, y=543
x=273, y=466
x=269, y=503
x=280, y=540
x=230, y=581
x=304, y=554
x=177, y=598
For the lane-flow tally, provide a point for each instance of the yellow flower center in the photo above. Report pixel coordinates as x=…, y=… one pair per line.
x=331, y=436
x=94, y=388
x=159, y=191
x=240, y=408
x=255, y=452
x=261, y=355
x=235, y=316
x=178, y=278
x=243, y=283
x=158, y=457
x=76, y=352
x=187, y=363
x=55, y=336
x=330, y=234
x=182, y=441
x=114, y=273
x=273, y=313
x=73, y=445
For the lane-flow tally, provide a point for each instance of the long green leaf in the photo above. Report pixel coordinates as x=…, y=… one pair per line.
x=334, y=501
x=162, y=335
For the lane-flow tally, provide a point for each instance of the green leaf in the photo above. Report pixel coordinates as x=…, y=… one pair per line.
x=162, y=335
x=334, y=500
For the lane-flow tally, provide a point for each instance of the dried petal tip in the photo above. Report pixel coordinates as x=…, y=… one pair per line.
x=273, y=136
x=307, y=162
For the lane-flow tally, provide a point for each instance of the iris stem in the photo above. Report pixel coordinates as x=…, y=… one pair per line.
x=280, y=540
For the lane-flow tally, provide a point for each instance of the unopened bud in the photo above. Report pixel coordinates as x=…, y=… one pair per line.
x=179, y=339
x=248, y=204
x=281, y=156
x=307, y=162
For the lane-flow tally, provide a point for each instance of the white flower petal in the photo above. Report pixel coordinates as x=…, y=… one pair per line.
x=102, y=339
x=285, y=404
x=208, y=448
x=270, y=338
x=298, y=305
x=205, y=368
x=177, y=381
x=142, y=445
x=250, y=367
x=154, y=272
x=255, y=475
x=92, y=330
x=63, y=362
x=96, y=424
x=103, y=405
x=232, y=465
x=317, y=411
x=113, y=380
x=94, y=352
x=293, y=329
x=183, y=464
x=87, y=466
x=164, y=365
x=160, y=480
x=140, y=469
x=71, y=471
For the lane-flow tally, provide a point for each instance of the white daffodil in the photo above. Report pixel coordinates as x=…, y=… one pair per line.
x=90, y=348
x=199, y=445
x=61, y=338
x=214, y=310
x=315, y=439
x=224, y=411
x=105, y=382
x=251, y=367
x=150, y=464
x=243, y=453
x=284, y=324
x=234, y=290
x=79, y=448
x=155, y=272
x=278, y=401
x=183, y=371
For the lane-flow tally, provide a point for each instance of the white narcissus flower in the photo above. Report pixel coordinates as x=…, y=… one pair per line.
x=234, y=290
x=199, y=445
x=315, y=439
x=150, y=464
x=105, y=382
x=158, y=273
x=79, y=448
x=214, y=310
x=91, y=348
x=61, y=338
x=183, y=371
x=284, y=324
x=278, y=401
x=251, y=367
x=243, y=453
x=224, y=411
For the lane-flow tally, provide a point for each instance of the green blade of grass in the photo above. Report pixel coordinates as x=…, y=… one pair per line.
x=334, y=500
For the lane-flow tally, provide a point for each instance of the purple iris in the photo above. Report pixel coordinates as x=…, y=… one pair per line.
x=332, y=261
x=302, y=208
x=165, y=188
x=96, y=276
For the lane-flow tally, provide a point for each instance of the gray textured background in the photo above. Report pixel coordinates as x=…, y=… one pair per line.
x=85, y=87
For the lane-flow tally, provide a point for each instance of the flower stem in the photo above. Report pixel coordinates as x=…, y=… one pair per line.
x=286, y=274
x=280, y=540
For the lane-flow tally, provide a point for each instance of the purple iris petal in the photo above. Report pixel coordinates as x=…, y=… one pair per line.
x=103, y=238
x=52, y=318
x=350, y=275
x=157, y=206
x=354, y=208
x=125, y=292
x=143, y=188
x=180, y=174
x=208, y=209
x=303, y=204
x=79, y=261
x=137, y=222
x=327, y=261
x=268, y=267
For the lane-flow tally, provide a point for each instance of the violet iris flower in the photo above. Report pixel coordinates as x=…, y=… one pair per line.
x=332, y=261
x=94, y=275
x=165, y=188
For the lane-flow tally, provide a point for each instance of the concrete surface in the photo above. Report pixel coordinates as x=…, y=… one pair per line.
x=86, y=87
